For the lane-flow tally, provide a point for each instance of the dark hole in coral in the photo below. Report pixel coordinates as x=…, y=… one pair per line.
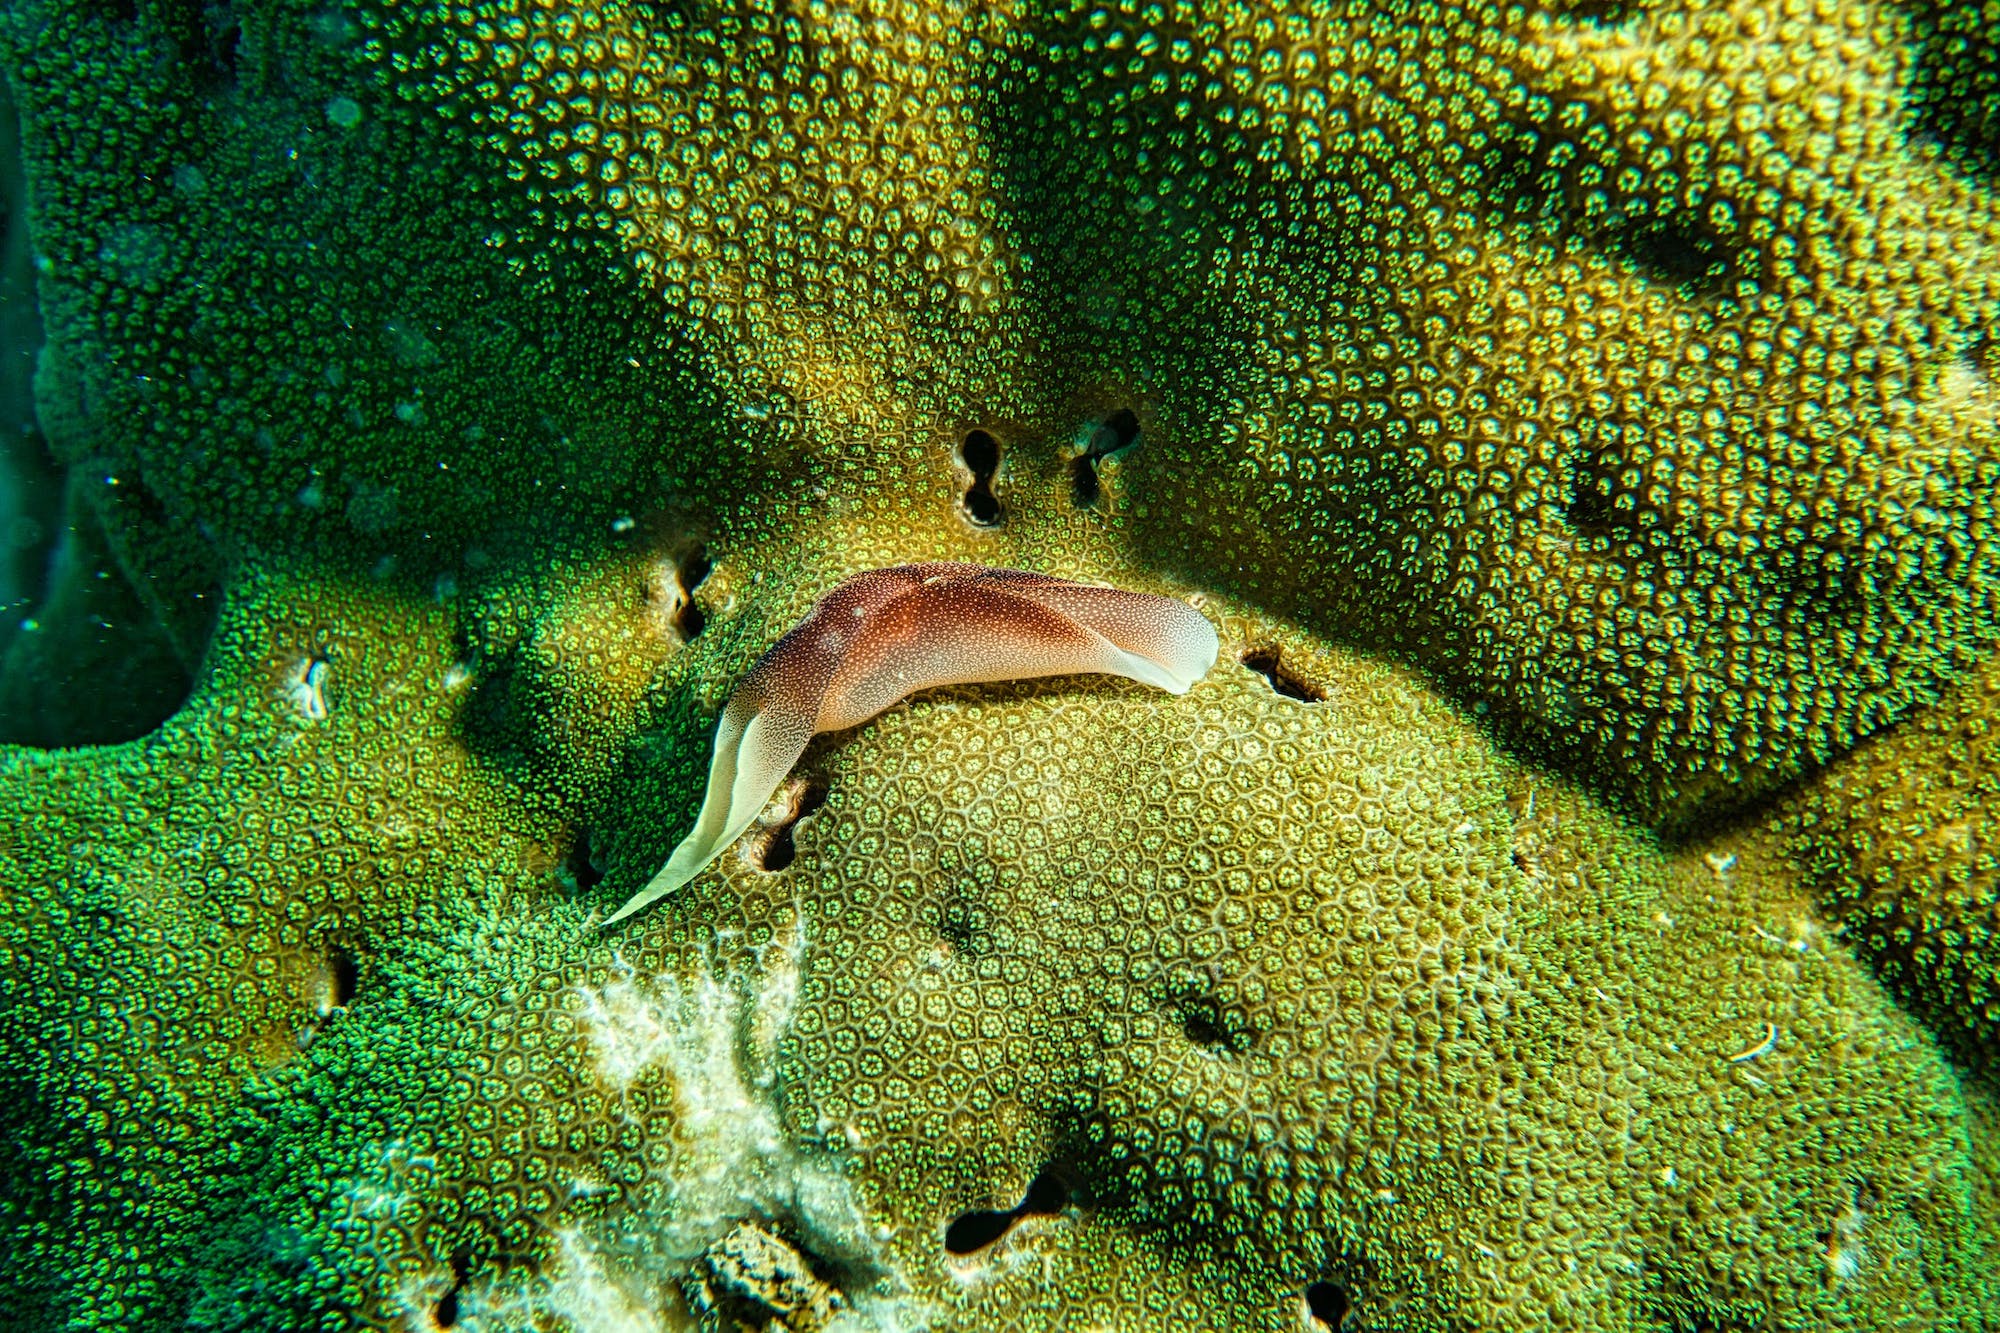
x=1603, y=13
x=780, y=850
x=1518, y=174
x=693, y=569
x=1677, y=251
x=1588, y=503
x=1047, y=1195
x=1327, y=1303
x=1520, y=861
x=224, y=48
x=446, y=1313
x=346, y=975
x=582, y=863
x=981, y=455
x=1084, y=488
x=1266, y=663
x=1118, y=431
x=1201, y=1022
x=970, y=1232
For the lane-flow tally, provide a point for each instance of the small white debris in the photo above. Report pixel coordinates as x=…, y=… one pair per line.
x=622, y=525
x=305, y=686
x=1845, y=1249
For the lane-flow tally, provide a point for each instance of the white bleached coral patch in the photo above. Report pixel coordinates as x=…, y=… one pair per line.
x=713, y=1037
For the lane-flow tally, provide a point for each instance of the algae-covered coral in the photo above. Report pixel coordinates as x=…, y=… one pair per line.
x=1576, y=420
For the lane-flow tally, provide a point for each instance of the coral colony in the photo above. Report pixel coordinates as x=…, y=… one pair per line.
x=1421, y=749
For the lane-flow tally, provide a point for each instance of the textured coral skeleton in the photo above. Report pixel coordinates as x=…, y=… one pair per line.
x=1565, y=904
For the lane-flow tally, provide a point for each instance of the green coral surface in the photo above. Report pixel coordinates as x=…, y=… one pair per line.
x=1567, y=904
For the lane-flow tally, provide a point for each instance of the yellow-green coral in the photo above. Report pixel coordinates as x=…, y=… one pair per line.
x=1901, y=840
x=1625, y=369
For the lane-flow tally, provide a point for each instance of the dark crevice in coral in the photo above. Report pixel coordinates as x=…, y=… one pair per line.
x=693, y=569
x=446, y=1314
x=1202, y=1022
x=1118, y=431
x=1599, y=13
x=582, y=862
x=1589, y=501
x=971, y=1232
x=1267, y=663
x=1676, y=251
x=1327, y=1304
x=779, y=848
x=344, y=974
x=223, y=48
x=980, y=453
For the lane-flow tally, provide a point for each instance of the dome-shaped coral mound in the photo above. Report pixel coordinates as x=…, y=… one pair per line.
x=1613, y=365
x=1063, y=1001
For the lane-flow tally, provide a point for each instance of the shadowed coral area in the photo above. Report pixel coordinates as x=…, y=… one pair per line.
x=1902, y=841
x=1577, y=420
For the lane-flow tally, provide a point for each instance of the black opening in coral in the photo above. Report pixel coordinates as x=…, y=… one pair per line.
x=582, y=863
x=1678, y=251
x=446, y=1314
x=1327, y=1303
x=693, y=568
x=1118, y=431
x=1589, y=502
x=781, y=850
x=971, y=1232
x=346, y=976
x=981, y=455
x=1202, y=1022
x=1268, y=663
